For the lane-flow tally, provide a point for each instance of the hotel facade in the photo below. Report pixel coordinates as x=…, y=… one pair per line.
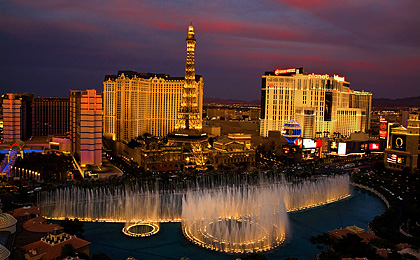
x=403, y=149
x=86, y=126
x=17, y=114
x=138, y=103
x=157, y=104
x=323, y=105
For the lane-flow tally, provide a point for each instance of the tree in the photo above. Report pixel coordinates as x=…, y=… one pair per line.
x=321, y=241
x=73, y=227
x=100, y=256
x=381, y=243
x=133, y=143
x=68, y=250
x=351, y=245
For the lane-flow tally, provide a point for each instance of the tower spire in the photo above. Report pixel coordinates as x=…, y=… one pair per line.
x=189, y=114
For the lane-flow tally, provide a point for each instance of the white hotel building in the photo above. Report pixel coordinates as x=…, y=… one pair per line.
x=322, y=104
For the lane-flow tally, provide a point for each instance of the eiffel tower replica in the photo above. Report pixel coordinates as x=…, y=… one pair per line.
x=188, y=133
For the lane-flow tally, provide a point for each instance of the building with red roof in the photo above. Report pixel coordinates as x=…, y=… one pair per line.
x=50, y=246
x=25, y=211
x=338, y=234
x=40, y=225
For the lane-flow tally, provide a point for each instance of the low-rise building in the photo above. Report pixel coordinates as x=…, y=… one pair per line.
x=338, y=234
x=235, y=149
x=152, y=153
x=7, y=222
x=50, y=246
x=404, y=146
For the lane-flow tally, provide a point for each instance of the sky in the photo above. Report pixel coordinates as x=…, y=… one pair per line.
x=50, y=47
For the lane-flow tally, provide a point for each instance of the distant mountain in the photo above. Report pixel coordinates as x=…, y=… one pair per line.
x=220, y=101
x=376, y=102
x=401, y=102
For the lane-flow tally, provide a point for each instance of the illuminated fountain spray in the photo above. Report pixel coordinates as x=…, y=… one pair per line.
x=313, y=193
x=251, y=219
x=113, y=205
x=236, y=218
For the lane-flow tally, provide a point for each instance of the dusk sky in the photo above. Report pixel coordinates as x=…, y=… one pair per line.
x=49, y=47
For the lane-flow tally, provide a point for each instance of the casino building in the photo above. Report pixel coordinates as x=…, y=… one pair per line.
x=323, y=105
x=404, y=146
x=86, y=126
x=137, y=103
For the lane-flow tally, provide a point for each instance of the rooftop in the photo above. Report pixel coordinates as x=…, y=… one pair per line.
x=25, y=211
x=360, y=232
x=6, y=220
x=40, y=225
x=134, y=74
x=47, y=249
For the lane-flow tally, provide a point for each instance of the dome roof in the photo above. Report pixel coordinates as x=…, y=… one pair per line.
x=6, y=220
x=4, y=253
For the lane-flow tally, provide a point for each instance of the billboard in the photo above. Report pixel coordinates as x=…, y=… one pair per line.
x=398, y=142
x=396, y=159
x=383, y=130
x=309, y=143
x=298, y=142
x=392, y=158
x=383, y=134
x=328, y=106
x=333, y=147
x=373, y=146
x=342, y=148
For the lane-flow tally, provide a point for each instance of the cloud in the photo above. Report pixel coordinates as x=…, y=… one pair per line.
x=237, y=40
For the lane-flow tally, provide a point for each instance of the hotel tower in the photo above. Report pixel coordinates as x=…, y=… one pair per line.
x=137, y=103
x=192, y=93
x=323, y=105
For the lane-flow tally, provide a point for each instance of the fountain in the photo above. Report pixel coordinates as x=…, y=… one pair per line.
x=140, y=229
x=234, y=219
x=227, y=218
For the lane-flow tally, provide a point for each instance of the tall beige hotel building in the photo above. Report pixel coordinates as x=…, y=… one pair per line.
x=322, y=104
x=137, y=103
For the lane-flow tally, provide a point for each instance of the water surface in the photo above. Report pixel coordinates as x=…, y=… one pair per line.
x=169, y=242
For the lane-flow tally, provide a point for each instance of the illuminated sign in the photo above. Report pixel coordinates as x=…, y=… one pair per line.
x=291, y=131
x=373, y=146
x=298, y=142
x=397, y=159
x=398, y=142
x=328, y=106
x=342, y=148
x=401, y=159
x=333, y=146
x=392, y=158
x=284, y=71
x=383, y=126
x=338, y=78
x=309, y=143
x=382, y=134
x=318, y=143
x=317, y=76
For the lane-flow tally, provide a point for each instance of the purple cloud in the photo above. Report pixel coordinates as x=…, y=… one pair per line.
x=72, y=44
